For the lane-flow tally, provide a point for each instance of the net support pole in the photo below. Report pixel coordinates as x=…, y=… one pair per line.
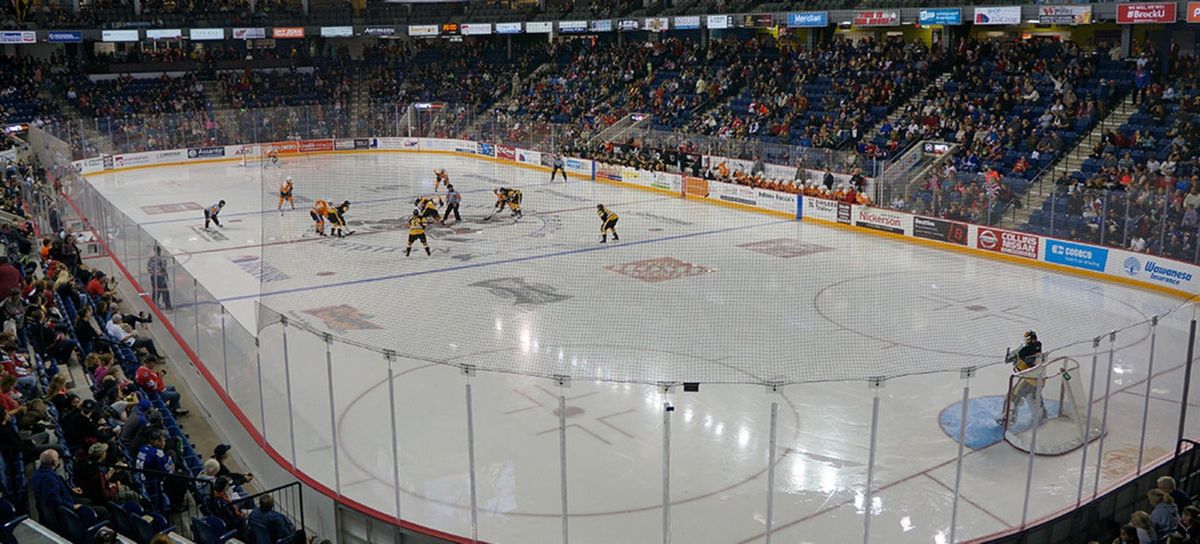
x=471, y=467
x=1146, y=400
x=390, y=357
x=1187, y=382
x=771, y=470
x=562, y=462
x=337, y=475
x=287, y=383
x=1036, y=413
x=196, y=311
x=262, y=403
x=666, y=473
x=967, y=374
x=876, y=384
x=224, y=352
x=1112, y=341
x=1088, y=422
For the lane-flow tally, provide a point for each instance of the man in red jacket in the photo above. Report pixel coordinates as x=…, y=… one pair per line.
x=151, y=380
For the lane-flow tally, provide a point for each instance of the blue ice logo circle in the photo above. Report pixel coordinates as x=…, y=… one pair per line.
x=1132, y=265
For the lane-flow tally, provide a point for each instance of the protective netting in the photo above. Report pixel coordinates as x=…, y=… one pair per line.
x=691, y=293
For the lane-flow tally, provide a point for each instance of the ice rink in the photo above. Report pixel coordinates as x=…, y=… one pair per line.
x=692, y=292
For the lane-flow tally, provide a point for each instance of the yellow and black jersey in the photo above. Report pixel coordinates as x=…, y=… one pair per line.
x=513, y=196
x=606, y=215
x=336, y=215
x=416, y=225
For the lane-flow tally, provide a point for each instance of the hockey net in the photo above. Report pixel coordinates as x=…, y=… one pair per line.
x=1053, y=418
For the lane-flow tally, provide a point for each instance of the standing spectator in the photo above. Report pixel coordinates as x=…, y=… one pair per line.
x=1167, y=485
x=159, y=281
x=150, y=377
x=1165, y=516
x=10, y=277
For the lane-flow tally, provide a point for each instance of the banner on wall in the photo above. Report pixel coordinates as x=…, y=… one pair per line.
x=1008, y=15
x=508, y=28
x=880, y=219
x=940, y=230
x=718, y=22
x=601, y=25
x=1193, y=12
x=29, y=36
x=287, y=32
x=1155, y=12
x=476, y=29
x=64, y=36
x=249, y=33
x=164, y=34
x=379, y=31
x=876, y=18
x=572, y=27
x=687, y=22
x=105, y=35
x=808, y=19
x=758, y=20
x=628, y=25
x=940, y=16
x=1065, y=15
x=657, y=24
x=337, y=31
x=206, y=34
x=422, y=30
x=539, y=27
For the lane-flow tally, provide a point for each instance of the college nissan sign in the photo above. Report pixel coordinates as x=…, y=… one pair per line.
x=1157, y=12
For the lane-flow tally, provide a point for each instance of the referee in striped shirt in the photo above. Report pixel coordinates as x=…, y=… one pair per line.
x=453, y=198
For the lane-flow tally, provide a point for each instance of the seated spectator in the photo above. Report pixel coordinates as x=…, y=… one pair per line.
x=150, y=377
x=93, y=478
x=1165, y=516
x=1167, y=485
x=220, y=504
x=158, y=466
x=277, y=526
x=221, y=454
x=51, y=490
x=121, y=332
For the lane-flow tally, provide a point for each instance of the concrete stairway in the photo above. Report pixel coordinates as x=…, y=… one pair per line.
x=1043, y=186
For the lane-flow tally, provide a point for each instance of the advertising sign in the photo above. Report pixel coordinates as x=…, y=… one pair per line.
x=164, y=34
x=249, y=33
x=422, y=30
x=687, y=22
x=1065, y=15
x=1076, y=255
x=1156, y=12
x=64, y=36
x=508, y=28
x=206, y=152
x=657, y=24
x=343, y=145
x=572, y=27
x=627, y=25
x=529, y=157
x=1160, y=271
x=287, y=32
x=758, y=20
x=942, y=231
x=315, y=146
x=1193, y=12
x=940, y=16
x=1008, y=242
x=718, y=22
x=880, y=219
x=539, y=27
x=476, y=29
x=206, y=34
x=808, y=19
x=337, y=31
x=601, y=25
x=1009, y=15
x=106, y=35
x=610, y=172
x=876, y=18
x=379, y=31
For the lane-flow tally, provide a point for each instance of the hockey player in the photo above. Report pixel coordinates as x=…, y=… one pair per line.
x=511, y=198
x=210, y=214
x=427, y=208
x=273, y=155
x=285, y=195
x=1026, y=389
x=416, y=231
x=337, y=219
x=440, y=177
x=608, y=223
x=318, y=212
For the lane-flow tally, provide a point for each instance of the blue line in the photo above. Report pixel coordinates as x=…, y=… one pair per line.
x=505, y=261
x=371, y=201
